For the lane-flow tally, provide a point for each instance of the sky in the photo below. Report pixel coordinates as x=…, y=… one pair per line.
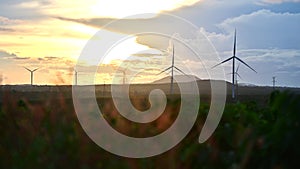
x=51, y=35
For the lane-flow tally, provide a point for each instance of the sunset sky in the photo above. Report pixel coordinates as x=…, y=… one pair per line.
x=50, y=35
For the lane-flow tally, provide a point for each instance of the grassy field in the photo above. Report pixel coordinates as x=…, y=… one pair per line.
x=39, y=129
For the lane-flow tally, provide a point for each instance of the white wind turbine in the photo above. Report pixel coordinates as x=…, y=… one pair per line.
x=233, y=65
x=172, y=67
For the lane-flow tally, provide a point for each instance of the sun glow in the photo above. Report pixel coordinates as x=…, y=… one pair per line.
x=105, y=8
x=133, y=7
x=34, y=40
x=123, y=50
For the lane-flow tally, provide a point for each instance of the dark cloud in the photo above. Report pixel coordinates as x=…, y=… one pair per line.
x=2, y=29
x=159, y=23
x=147, y=55
x=51, y=57
x=21, y=58
x=163, y=24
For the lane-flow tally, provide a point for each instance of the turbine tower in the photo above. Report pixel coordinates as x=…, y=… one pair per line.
x=233, y=64
x=124, y=76
x=31, y=74
x=274, y=81
x=76, y=77
x=236, y=80
x=172, y=67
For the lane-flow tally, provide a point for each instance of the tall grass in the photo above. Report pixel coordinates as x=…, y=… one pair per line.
x=47, y=134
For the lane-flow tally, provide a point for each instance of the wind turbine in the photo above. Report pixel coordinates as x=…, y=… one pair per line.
x=236, y=74
x=172, y=67
x=124, y=74
x=31, y=74
x=233, y=64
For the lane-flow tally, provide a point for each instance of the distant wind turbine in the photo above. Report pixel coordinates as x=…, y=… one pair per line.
x=124, y=74
x=236, y=80
x=274, y=81
x=31, y=74
x=172, y=67
x=233, y=65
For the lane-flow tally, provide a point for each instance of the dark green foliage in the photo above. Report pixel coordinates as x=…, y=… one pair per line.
x=250, y=137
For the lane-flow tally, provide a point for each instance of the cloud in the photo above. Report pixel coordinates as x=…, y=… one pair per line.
x=21, y=58
x=265, y=29
x=258, y=29
x=147, y=55
x=8, y=56
x=5, y=54
x=160, y=23
x=7, y=21
x=34, y=4
x=6, y=24
x=157, y=31
x=51, y=57
x=279, y=1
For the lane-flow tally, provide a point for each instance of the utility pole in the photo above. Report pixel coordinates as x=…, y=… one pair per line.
x=104, y=88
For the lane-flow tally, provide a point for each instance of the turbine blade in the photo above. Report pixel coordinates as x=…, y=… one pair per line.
x=164, y=70
x=35, y=69
x=245, y=64
x=223, y=62
x=179, y=70
x=27, y=69
x=239, y=76
x=237, y=69
x=173, y=55
x=236, y=73
x=234, y=43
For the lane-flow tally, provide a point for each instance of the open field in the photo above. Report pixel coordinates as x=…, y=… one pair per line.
x=39, y=129
x=259, y=94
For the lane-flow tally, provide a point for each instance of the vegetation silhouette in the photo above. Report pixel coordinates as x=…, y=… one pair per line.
x=47, y=134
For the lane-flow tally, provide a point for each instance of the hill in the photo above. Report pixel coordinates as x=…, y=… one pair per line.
x=178, y=79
